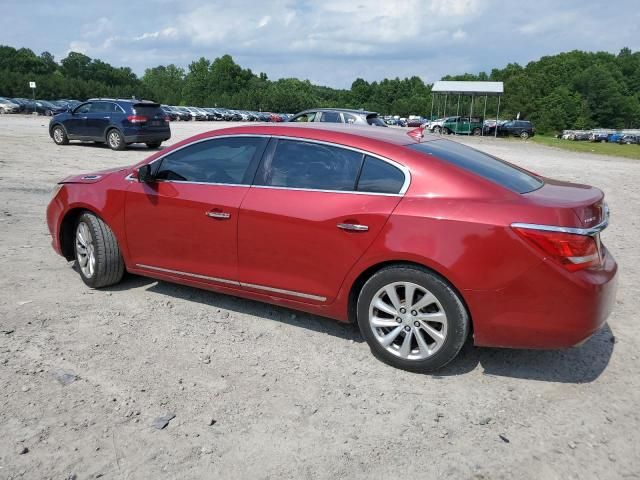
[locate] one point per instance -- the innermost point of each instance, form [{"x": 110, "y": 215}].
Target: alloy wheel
[
  {"x": 114, "y": 139},
  {"x": 85, "y": 250},
  {"x": 408, "y": 320}
]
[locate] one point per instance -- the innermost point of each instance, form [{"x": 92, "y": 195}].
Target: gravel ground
[{"x": 264, "y": 392}]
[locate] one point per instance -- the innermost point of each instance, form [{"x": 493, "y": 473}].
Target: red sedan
[{"x": 421, "y": 241}]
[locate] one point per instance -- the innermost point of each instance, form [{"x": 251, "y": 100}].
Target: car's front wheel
[
  {"x": 154, "y": 144},
  {"x": 115, "y": 140},
  {"x": 59, "y": 135},
  {"x": 97, "y": 252},
  {"x": 412, "y": 319},
  {"x": 524, "y": 135}
]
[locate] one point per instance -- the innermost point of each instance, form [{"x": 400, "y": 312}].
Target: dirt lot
[{"x": 265, "y": 392}]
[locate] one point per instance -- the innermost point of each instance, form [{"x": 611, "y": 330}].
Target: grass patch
[{"x": 614, "y": 149}]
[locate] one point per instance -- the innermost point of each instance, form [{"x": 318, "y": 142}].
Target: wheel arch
[
  {"x": 361, "y": 279},
  {"x": 67, "y": 230},
  {"x": 57, "y": 124}
]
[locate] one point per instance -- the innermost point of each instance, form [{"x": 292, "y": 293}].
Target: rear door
[
  {"x": 185, "y": 224},
  {"x": 304, "y": 223},
  {"x": 155, "y": 119}
]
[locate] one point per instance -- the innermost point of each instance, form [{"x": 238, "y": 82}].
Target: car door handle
[
  {"x": 220, "y": 215},
  {"x": 106, "y": 118},
  {"x": 353, "y": 227}
]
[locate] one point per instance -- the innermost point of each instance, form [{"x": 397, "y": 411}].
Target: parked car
[
  {"x": 418, "y": 241},
  {"x": 7, "y": 106},
  {"x": 169, "y": 112},
  {"x": 43, "y": 107},
  {"x": 435, "y": 126},
  {"x": 463, "y": 125},
  {"x": 513, "y": 128},
  {"x": 182, "y": 112},
  {"x": 600, "y": 136},
  {"x": 416, "y": 122},
  {"x": 629, "y": 139},
  {"x": 118, "y": 122},
  {"x": 614, "y": 137},
  {"x": 580, "y": 135},
  {"x": 339, "y": 115}
]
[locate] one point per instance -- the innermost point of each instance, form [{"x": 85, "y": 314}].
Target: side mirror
[{"x": 144, "y": 174}]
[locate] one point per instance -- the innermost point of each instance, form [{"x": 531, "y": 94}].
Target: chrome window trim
[
  {"x": 573, "y": 230},
  {"x": 234, "y": 282},
  {"x": 406, "y": 172}
]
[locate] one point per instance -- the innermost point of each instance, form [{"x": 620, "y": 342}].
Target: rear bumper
[
  {"x": 148, "y": 137},
  {"x": 546, "y": 307}
]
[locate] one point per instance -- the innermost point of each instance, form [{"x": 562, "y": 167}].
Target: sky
[{"x": 330, "y": 42}]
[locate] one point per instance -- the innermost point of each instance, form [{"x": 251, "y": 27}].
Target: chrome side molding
[
  {"x": 574, "y": 230},
  {"x": 235, "y": 283}
]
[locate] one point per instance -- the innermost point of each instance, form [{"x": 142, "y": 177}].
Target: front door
[
  {"x": 98, "y": 119},
  {"x": 185, "y": 222},
  {"x": 76, "y": 125},
  {"x": 313, "y": 211}
]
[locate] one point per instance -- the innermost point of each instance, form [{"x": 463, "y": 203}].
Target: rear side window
[
  {"x": 298, "y": 164},
  {"x": 486, "y": 166},
  {"x": 376, "y": 121},
  {"x": 330, "y": 117},
  {"x": 224, "y": 160},
  {"x": 380, "y": 177}
]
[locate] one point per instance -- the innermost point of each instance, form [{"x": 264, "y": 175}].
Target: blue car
[
  {"x": 118, "y": 122},
  {"x": 614, "y": 137}
]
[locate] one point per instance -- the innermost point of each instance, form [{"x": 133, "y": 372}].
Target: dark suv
[
  {"x": 517, "y": 128},
  {"x": 118, "y": 122}
]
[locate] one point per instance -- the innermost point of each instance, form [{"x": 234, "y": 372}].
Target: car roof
[
  {"x": 330, "y": 132},
  {"x": 346, "y": 110}
]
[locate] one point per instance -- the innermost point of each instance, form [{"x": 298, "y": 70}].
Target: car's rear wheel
[
  {"x": 59, "y": 135},
  {"x": 524, "y": 135},
  {"x": 115, "y": 140},
  {"x": 437, "y": 130},
  {"x": 97, "y": 252},
  {"x": 153, "y": 144},
  {"x": 412, "y": 319},
  {"x": 477, "y": 132}
]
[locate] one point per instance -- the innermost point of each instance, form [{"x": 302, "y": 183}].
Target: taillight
[
  {"x": 574, "y": 252},
  {"x": 167, "y": 118},
  {"x": 137, "y": 118}
]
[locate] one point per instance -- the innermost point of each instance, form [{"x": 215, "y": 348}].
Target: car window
[
  {"x": 99, "y": 107},
  {"x": 85, "y": 108},
  {"x": 330, "y": 117},
  {"x": 348, "y": 118},
  {"x": 305, "y": 117},
  {"x": 378, "y": 176},
  {"x": 482, "y": 164},
  {"x": 223, "y": 160},
  {"x": 376, "y": 121},
  {"x": 299, "y": 164}
]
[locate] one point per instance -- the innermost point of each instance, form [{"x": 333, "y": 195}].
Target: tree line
[{"x": 569, "y": 90}]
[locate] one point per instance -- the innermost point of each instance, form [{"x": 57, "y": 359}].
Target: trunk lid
[{"x": 586, "y": 202}]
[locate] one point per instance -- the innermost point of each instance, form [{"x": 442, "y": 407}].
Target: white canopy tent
[{"x": 468, "y": 88}]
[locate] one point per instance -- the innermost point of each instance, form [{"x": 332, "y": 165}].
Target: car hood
[{"x": 94, "y": 177}]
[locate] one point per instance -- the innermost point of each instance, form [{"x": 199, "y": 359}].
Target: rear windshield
[
  {"x": 150, "y": 109},
  {"x": 375, "y": 121},
  {"x": 486, "y": 166}
]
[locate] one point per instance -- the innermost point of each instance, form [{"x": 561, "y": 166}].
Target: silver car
[
  {"x": 339, "y": 115},
  {"x": 7, "y": 106}
]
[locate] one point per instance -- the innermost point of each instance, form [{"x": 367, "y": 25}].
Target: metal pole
[
  {"x": 471, "y": 114},
  {"x": 458, "y": 109},
  {"x": 495, "y": 134},
  {"x": 431, "y": 117},
  {"x": 438, "y": 107},
  {"x": 484, "y": 114}
]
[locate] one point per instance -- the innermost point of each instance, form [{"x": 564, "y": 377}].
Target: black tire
[
  {"x": 437, "y": 130},
  {"x": 109, "y": 266},
  {"x": 476, "y": 132},
  {"x": 457, "y": 318},
  {"x": 524, "y": 135},
  {"x": 59, "y": 135},
  {"x": 115, "y": 139},
  {"x": 154, "y": 144}
]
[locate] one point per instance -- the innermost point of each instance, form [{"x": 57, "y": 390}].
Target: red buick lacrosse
[{"x": 420, "y": 240}]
